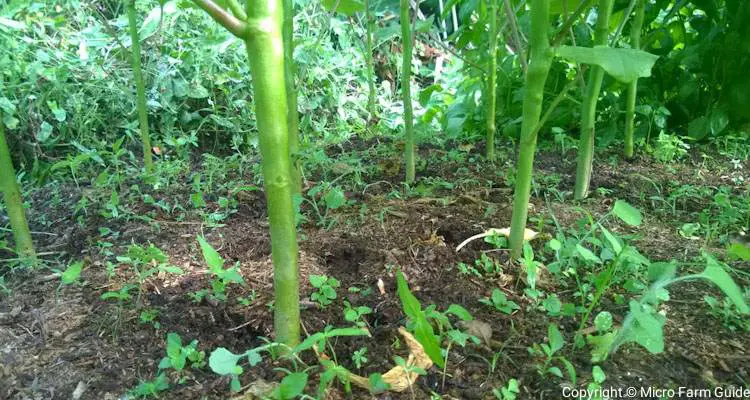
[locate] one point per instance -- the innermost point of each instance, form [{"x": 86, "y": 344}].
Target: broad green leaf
[
  {"x": 377, "y": 384},
  {"x": 644, "y": 328},
  {"x": 625, "y": 65},
  {"x": 460, "y": 312},
  {"x": 292, "y": 385},
  {"x": 587, "y": 254},
  {"x": 71, "y": 274},
  {"x": 318, "y": 280},
  {"x": 45, "y": 131},
  {"x": 224, "y": 362},
  {"x": 600, "y": 345},
  {"x": 739, "y": 251},
  {"x": 598, "y": 374},
  {"x": 563, "y": 6},
  {"x": 661, "y": 271},
  {"x": 627, "y": 213},
  {"x": 423, "y": 330},
  {"x": 174, "y": 350},
  {"x": 603, "y": 321},
  {"x": 334, "y": 198},
  {"x": 212, "y": 257},
  {"x": 346, "y": 7},
  {"x": 612, "y": 240},
  {"x": 715, "y": 273},
  {"x": 556, "y": 340}
]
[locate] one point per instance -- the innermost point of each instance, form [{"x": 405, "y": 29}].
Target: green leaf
[
  {"x": 45, "y": 131},
  {"x": 661, "y": 271},
  {"x": 556, "y": 340},
  {"x": 224, "y": 362},
  {"x": 587, "y": 254},
  {"x": 346, "y": 7},
  {"x": 627, "y": 213},
  {"x": 318, "y": 280},
  {"x": 423, "y": 330},
  {"x": 174, "y": 351},
  {"x": 603, "y": 321},
  {"x": 563, "y": 6},
  {"x": 334, "y": 198},
  {"x": 460, "y": 312},
  {"x": 600, "y": 345},
  {"x": 377, "y": 384},
  {"x": 715, "y": 273},
  {"x": 644, "y": 328},
  {"x": 612, "y": 240},
  {"x": 71, "y": 273},
  {"x": 570, "y": 369},
  {"x": 292, "y": 385},
  {"x": 212, "y": 257},
  {"x": 625, "y": 65},
  {"x": 739, "y": 251},
  {"x": 598, "y": 374}
]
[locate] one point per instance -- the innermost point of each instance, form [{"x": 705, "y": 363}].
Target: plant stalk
[
  {"x": 635, "y": 42},
  {"x": 588, "y": 112},
  {"x": 371, "y": 94},
  {"x": 406, "y": 37},
  {"x": 540, "y": 61},
  {"x": 290, "y": 72},
  {"x": 492, "y": 81},
  {"x": 14, "y": 203},
  {"x": 140, "y": 103},
  {"x": 265, "y": 49}
]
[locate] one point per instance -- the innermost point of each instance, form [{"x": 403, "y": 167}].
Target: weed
[{"x": 326, "y": 289}]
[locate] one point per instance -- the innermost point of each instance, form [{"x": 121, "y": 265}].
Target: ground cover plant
[{"x": 322, "y": 199}]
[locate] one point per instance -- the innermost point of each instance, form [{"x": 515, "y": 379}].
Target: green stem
[
  {"x": 290, "y": 71},
  {"x": 140, "y": 103},
  {"x": 265, "y": 49},
  {"x": 406, "y": 38},
  {"x": 13, "y": 202},
  {"x": 635, "y": 42},
  {"x": 371, "y": 94},
  {"x": 588, "y": 112},
  {"x": 491, "y": 81},
  {"x": 539, "y": 66}
]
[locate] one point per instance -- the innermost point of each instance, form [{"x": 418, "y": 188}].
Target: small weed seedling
[
  {"x": 326, "y": 289},
  {"x": 178, "y": 355},
  {"x": 499, "y": 302},
  {"x": 548, "y": 352},
  {"x": 146, "y": 262},
  {"x": 355, "y": 314},
  {"x": 509, "y": 392},
  {"x": 359, "y": 357},
  {"x": 151, "y": 388},
  {"x": 220, "y": 277}
]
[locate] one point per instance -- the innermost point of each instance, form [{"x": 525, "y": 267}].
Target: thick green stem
[
  {"x": 491, "y": 81},
  {"x": 265, "y": 49},
  {"x": 290, "y": 71},
  {"x": 588, "y": 112},
  {"x": 635, "y": 42},
  {"x": 140, "y": 102},
  {"x": 368, "y": 59},
  {"x": 406, "y": 38},
  {"x": 13, "y": 202},
  {"x": 536, "y": 77}
]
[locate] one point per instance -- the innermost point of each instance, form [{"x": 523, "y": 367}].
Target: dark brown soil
[{"x": 50, "y": 344}]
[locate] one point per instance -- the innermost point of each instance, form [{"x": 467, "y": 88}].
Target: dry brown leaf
[{"x": 397, "y": 377}]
